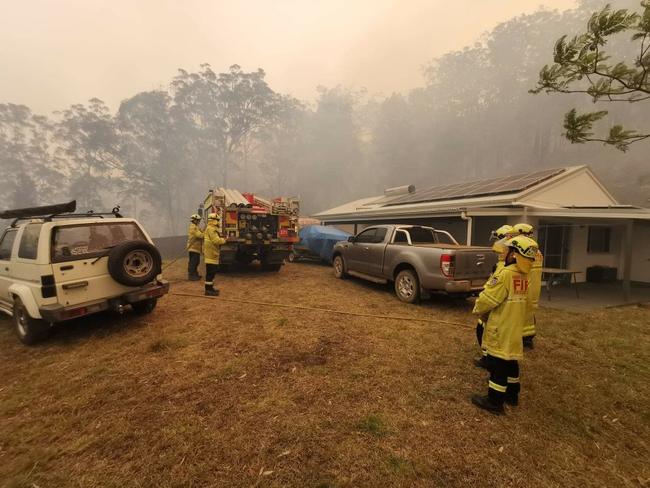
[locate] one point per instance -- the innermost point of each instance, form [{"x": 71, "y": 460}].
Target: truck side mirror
[{"x": 351, "y": 239}]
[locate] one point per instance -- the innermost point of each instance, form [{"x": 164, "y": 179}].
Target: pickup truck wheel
[
  {"x": 145, "y": 306},
  {"x": 134, "y": 263},
  {"x": 339, "y": 267},
  {"x": 29, "y": 330},
  {"x": 407, "y": 286}
]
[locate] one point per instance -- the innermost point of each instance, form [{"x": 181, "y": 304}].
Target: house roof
[{"x": 559, "y": 189}]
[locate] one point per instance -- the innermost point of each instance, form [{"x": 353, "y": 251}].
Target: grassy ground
[{"x": 211, "y": 393}]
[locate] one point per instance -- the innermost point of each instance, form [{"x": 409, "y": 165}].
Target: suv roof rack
[{"x": 58, "y": 211}]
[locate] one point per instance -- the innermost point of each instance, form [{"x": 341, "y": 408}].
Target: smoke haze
[
  {"x": 56, "y": 53},
  {"x": 148, "y": 104}
]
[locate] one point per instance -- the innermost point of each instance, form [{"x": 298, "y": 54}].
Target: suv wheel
[
  {"x": 407, "y": 286},
  {"x": 292, "y": 258},
  {"x": 29, "y": 330},
  {"x": 145, "y": 306},
  {"x": 339, "y": 267},
  {"x": 134, "y": 263}
]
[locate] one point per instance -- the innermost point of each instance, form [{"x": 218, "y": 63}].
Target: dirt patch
[{"x": 211, "y": 393}]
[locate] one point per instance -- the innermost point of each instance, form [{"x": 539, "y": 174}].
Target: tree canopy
[{"x": 582, "y": 65}]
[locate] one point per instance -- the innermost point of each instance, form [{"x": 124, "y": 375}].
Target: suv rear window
[{"x": 88, "y": 240}]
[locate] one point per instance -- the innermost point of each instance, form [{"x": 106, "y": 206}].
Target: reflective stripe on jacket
[
  {"x": 212, "y": 241},
  {"x": 505, "y": 298},
  {"x": 194, "y": 238}
]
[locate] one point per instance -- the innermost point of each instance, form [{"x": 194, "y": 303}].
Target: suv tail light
[
  {"x": 48, "y": 288},
  {"x": 448, "y": 265}
]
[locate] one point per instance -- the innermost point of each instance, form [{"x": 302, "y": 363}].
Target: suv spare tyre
[{"x": 134, "y": 263}]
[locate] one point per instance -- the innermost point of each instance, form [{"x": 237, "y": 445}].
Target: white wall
[
  {"x": 579, "y": 189},
  {"x": 580, "y": 259},
  {"x": 349, "y": 228}
]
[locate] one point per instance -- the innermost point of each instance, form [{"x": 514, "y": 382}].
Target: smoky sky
[{"x": 55, "y": 53}]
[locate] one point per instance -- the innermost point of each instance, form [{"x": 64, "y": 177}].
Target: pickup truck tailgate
[{"x": 474, "y": 264}]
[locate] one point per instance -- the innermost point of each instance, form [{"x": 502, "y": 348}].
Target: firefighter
[
  {"x": 212, "y": 241},
  {"x": 505, "y": 298},
  {"x": 194, "y": 246},
  {"x": 534, "y": 286},
  {"x": 500, "y": 236}
]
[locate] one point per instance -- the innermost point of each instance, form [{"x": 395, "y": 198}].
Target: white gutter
[{"x": 464, "y": 216}]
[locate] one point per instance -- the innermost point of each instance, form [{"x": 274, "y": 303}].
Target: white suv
[{"x": 62, "y": 266}]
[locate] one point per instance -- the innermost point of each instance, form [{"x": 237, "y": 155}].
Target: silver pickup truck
[{"x": 417, "y": 259}]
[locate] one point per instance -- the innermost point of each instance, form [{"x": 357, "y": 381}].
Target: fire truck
[{"x": 255, "y": 228}]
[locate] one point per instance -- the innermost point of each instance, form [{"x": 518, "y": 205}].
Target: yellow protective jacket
[
  {"x": 505, "y": 298},
  {"x": 534, "y": 290},
  {"x": 212, "y": 241},
  {"x": 497, "y": 267},
  {"x": 194, "y": 238}
]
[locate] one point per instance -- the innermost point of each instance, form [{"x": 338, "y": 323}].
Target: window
[
  {"x": 367, "y": 236},
  {"x": 422, "y": 236},
  {"x": 598, "y": 240},
  {"x": 400, "y": 237},
  {"x": 29, "y": 242},
  {"x": 380, "y": 235},
  {"x": 90, "y": 240},
  {"x": 442, "y": 238},
  {"x": 7, "y": 244}
]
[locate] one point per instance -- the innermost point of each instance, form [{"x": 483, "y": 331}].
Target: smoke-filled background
[{"x": 144, "y": 107}]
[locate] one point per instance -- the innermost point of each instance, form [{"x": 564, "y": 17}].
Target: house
[{"x": 579, "y": 224}]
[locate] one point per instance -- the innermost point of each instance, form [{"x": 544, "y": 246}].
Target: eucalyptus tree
[
  {"x": 88, "y": 143},
  {"x": 152, "y": 155},
  {"x": 223, "y": 111},
  {"x": 29, "y": 169}
]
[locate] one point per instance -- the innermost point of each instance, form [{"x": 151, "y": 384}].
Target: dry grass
[{"x": 210, "y": 393}]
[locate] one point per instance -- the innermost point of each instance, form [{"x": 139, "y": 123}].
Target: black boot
[
  {"x": 210, "y": 291},
  {"x": 486, "y": 403},
  {"x": 481, "y": 363},
  {"x": 194, "y": 277},
  {"x": 528, "y": 342},
  {"x": 512, "y": 400}
]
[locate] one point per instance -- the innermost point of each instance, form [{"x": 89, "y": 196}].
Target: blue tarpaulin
[{"x": 319, "y": 240}]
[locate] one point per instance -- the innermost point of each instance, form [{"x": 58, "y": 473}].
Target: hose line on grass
[
  {"x": 324, "y": 310},
  {"x": 173, "y": 261}
]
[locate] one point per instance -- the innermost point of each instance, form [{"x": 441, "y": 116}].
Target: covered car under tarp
[{"x": 317, "y": 241}]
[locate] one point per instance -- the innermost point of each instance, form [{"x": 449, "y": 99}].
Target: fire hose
[
  {"x": 312, "y": 309},
  {"x": 324, "y": 310}
]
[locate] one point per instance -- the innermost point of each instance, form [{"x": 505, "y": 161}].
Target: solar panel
[{"x": 465, "y": 189}]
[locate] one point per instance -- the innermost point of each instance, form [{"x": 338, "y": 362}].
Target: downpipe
[{"x": 470, "y": 224}]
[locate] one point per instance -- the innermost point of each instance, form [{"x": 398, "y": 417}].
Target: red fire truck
[{"x": 255, "y": 228}]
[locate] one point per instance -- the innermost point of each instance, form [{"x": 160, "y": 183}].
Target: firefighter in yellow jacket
[
  {"x": 534, "y": 286},
  {"x": 212, "y": 241},
  {"x": 505, "y": 298},
  {"x": 500, "y": 236},
  {"x": 194, "y": 247}
]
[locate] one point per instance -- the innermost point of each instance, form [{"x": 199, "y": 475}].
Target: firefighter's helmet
[
  {"x": 523, "y": 229},
  {"x": 503, "y": 232},
  {"x": 524, "y": 246},
  {"x": 195, "y": 217},
  {"x": 214, "y": 216}
]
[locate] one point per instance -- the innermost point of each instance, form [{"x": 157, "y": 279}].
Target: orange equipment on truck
[{"x": 254, "y": 228}]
